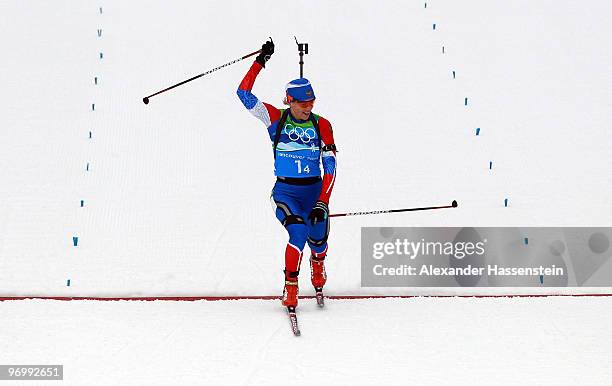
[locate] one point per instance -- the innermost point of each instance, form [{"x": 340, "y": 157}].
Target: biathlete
[{"x": 301, "y": 141}]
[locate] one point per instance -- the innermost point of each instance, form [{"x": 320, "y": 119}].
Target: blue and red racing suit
[{"x": 297, "y": 165}]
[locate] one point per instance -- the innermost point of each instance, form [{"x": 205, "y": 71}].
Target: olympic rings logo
[{"x": 295, "y": 133}]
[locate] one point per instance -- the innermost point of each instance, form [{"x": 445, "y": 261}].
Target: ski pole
[
  {"x": 452, "y": 205},
  {"x": 146, "y": 99}
]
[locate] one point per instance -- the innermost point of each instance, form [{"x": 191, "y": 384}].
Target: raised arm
[{"x": 263, "y": 111}]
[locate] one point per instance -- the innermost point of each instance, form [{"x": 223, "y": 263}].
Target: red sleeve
[
  {"x": 328, "y": 158},
  {"x": 263, "y": 111},
  {"x": 249, "y": 79}
]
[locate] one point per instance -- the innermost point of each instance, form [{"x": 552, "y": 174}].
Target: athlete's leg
[
  {"x": 288, "y": 212},
  {"x": 317, "y": 241}
]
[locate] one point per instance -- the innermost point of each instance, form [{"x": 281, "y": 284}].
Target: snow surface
[
  {"x": 176, "y": 196},
  {"x": 420, "y": 341}
]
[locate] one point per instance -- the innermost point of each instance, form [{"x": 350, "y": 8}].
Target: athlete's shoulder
[
  {"x": 323, "y": 122},
  {"x": 273, "y": 112},
  {"x": 325, "y": 128}
]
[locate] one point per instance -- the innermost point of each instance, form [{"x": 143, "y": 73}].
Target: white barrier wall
[{"x": 175, "y": 194}]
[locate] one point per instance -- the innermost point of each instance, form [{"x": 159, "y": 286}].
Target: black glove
[
  {"x": 267, "y": 49},
  {"x": 319, "y": 213}
]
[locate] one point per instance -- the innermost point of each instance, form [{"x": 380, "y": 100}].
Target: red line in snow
[{"x": 348, "y": 297}]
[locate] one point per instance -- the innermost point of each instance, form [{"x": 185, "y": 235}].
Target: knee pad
[
  {"x": 319, "y": 242},
  {"x": 293, "y": 219}
]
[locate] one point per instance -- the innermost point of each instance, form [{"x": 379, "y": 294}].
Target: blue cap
[{"x": 300, "y": 90}]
